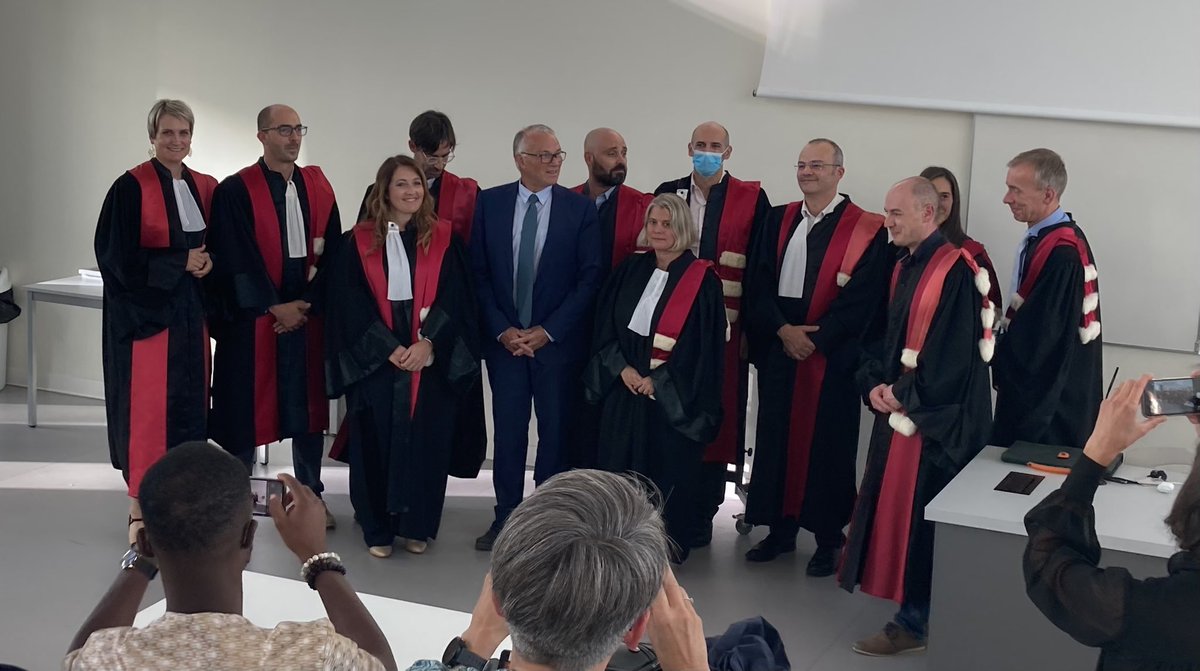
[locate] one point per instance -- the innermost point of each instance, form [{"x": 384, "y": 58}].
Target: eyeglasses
[
  {"x": 286, "y": 131},
  {"x": 434, "y": 158},
  {"x": 547, "y": 156},
  {"x": 816, "y": 166}
]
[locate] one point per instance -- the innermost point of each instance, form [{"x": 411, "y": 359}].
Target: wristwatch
[
  {"x": 135, "y": 561},
  {"x": 457, "y": 654}
]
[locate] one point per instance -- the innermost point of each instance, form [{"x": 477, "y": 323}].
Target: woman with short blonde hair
[{"x": 656, "y": 364}]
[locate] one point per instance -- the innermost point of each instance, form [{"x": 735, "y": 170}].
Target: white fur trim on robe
[
  {"x": 1090, "y": 273},
  {"x": 987, "y": 348},
  {"x": 731, "y": 315},
  {"x": 318, "y": 246},
  {"x": 664, "y": 343},
  {"x": 988, "y": 316},
  {"x": 843, "y": 279},
  {"x": 902, "y": 424},
  {"x": 1017, "y": 301},
  {"x": 655, "y": 363},
  {"x": 1090, "y": 302},
  {"x": 908, "y": 357},
  {"x": 1089, "y": 333},
  {"x": 731, "y": 288},
  {"x": 732, "y": 259}
]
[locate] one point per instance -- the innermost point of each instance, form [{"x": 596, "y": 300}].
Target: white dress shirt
[{"x": 795, "y": 256}]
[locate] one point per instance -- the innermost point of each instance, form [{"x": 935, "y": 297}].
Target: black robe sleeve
[
  {"x": 1132, "y": 619},
  {"x": 362, "y": 208},
  {"x": 239, "y": 276},
  {"x": 688, "y": 385},
  {"x": 1035, "y": 352},
  {"x": 604, "y": 367},
  {"x": 316, "y": 292},
  {"x": 357, "y": 341},
  {"x": 851, "y": 311},
  {"x": 763, "y": 316},
  {"x": 935, "y": 394},
  {"x": 143, "y": 279},
  {"x": 452, "y": 323}
]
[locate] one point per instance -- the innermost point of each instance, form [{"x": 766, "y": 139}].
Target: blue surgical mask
[{"x": 707, "y": 163}]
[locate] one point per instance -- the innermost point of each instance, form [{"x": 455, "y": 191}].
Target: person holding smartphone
[
  {"x": 1137, "y": 624},
  {"x": 196, "y": 503}
]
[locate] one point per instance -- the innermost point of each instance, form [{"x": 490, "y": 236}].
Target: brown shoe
[
  {"x": 893, "y": 640},
  {"x": 380, "y": 551},
  {"x": 415, "y": 546}
]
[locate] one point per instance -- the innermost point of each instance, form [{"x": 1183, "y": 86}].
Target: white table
[
  {"x": 66, "y": 291},
  {"x": 413, "y": 630},
  {"x": 980, "y": 617},
  {"x": 77, "y": 291}
]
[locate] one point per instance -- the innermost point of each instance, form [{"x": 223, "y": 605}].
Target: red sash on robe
[
  {"x": 456, "y": 203},
  {"x": 148, "y": 381},
  {"x": 854, "y": 233},
  {"x": 630, "y": 220},
  {"x": 887, "y": 550},
  {"x": 155, "y": 232},
  {"x": 1065, "y": 236},
  {"x": 425, "y": 282},
  {"x": 425, "y": 286},
  {"x": 980, "y": 256},
  {"x": 676, "y": 311},
  {"x": 733, "y": 240},
  {"x": 270, "y": 246}
]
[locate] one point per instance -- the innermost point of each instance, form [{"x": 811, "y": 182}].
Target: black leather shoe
[
  {"x": 771, "y": 547},
  {"x": 824, "y": 562},
  {"x": 703, "y": 537},
  {"x": 484, "y": 543}
]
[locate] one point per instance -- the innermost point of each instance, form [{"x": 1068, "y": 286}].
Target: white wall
[{"x": 79, "y": 76}]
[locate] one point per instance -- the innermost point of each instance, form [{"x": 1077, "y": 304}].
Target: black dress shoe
[
  {"x": 824, "y": 561},
  {"x": 484, "y": 543},
  {"x": 771, "y": 547},
  {"x": 703, "y": 538}
]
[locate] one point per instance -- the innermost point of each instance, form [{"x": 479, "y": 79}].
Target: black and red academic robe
[
  {"x": 155, "y": 342},
  {"x": 734, "y": 209},
  {"x": 454, "y": 198},
  {"x": 622, "y": 218},
  {"x": 933, "y": 354},
  {"x": 400, "y": 426},
  {"x": 1048, "y": 371},
  {"x": 268, "y": 387},
  {"x": 661, "y": 437},
  {"x": 806, "y": 449}
]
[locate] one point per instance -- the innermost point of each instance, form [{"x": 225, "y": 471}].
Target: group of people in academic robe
[{"x": 628, "y": 320}]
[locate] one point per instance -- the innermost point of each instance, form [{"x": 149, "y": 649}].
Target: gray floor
[{"x": 61, "y": 548}]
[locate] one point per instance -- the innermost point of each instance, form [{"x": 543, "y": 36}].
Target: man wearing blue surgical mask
[{"x": 726, "y": 211}]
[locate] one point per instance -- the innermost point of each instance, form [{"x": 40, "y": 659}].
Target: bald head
[
  {"x": 604, "y": 152},
  {"x": 268, "y": 115},
  {"x": 710, "y": 130},
  {"x": 910, "y": 211}
]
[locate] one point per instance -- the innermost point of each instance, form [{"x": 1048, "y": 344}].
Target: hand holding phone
[
  {"x": 261, "y": 490},
  {"x": 1171, "y": 396}
]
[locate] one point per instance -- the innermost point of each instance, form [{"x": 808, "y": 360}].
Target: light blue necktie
[{"x": 523, "y": 291}]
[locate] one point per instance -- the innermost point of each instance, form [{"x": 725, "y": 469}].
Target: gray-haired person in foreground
[{"x": 579, "y": 571}]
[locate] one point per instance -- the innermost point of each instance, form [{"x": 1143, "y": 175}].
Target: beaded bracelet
[{"x": 324, "y": 561}]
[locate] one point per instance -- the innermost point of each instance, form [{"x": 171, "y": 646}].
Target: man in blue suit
[{"x": 535, "y": 249}]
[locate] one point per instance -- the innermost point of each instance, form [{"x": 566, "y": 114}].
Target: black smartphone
[
  {"x": 1019, "y": 483},
  {"x": 261, "y": 490},
  {"x": 1171, "y": 396}
]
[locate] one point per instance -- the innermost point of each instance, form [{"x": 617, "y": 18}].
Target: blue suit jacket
[{"x": 568, "y": 274}]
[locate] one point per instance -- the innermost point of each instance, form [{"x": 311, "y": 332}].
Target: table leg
[{"x": 31, "y": 351}]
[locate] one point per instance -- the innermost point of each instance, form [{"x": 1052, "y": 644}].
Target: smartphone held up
[
  {"x": 261, "y": 491},
  {"x": 1171, "y": 396}
]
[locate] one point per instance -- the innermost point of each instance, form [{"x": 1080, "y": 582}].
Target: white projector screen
[{"x": 1098, "y": 60}]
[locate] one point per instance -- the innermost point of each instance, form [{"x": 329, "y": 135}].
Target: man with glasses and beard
[
  {"x": 271, "y": 221},
  {"x": 621, "y": 210}
]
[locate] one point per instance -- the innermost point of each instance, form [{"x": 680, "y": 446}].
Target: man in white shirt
[
  {"x": 816, "y": 279},
  {"x": 196, "y": 503}
]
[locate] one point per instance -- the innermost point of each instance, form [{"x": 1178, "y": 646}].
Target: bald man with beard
[
  {"x": 621, "y": 210},
  {"x": 726, "y": 212}
]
